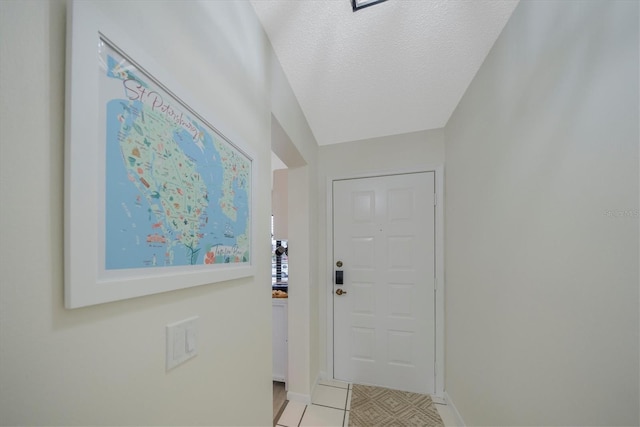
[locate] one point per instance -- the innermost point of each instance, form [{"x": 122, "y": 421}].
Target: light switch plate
[{"x": 182, "y": 341}]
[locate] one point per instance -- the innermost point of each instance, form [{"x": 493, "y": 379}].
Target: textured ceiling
[{"x": 396, "y": 67}]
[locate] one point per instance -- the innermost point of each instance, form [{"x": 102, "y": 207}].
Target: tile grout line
[
  {"x": 302, "y": 416},
  {"x": 344, "y": 410},
  {"x": 346, "y": 402},
  {"x": 330, "y": 407},
  {"x": 334, "y": 386}
]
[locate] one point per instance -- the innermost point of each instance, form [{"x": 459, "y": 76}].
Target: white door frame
[{"x": 439, "y": 268}]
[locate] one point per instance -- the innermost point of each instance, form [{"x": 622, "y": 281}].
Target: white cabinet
[{"x": 279, "y": 339}]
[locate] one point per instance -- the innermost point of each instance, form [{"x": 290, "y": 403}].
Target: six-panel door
[{"x": 384, "y": 326}]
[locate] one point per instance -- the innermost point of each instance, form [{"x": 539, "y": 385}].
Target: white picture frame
[{"x": 94, "y": 273}]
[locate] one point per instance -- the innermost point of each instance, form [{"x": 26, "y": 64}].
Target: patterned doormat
[{"x": 377, "y": 406}]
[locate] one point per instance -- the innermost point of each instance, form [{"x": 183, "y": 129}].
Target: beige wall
[
  {"x": 105, "y": 365},
  {"x": 397, "y": 153},
  {"x": 542, "y": 222},
  {"x": 542, "y": 258}
]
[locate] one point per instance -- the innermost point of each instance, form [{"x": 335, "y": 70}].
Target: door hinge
[{"x": 435, "y": 199}]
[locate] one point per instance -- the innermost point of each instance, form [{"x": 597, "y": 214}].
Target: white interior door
[{"x": 384, "y": 320}]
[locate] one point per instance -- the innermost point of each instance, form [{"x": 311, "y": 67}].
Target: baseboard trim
[
  {"x": 319, "y": 378},
  {"x": 440, "y": 400},
  {"x": 449, "y": 401},
  {"x": 305, "y": 398},
  {"x": 298, "y": 397}
]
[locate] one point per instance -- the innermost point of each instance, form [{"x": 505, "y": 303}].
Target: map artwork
[{"x": 177, "y": 192}]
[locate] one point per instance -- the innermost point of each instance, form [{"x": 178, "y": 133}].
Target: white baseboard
[
  {"x": 441, "y": 400},
  {"x": 452, "y": 406},
  {"x": 315, "y": 384},
  {"x": 298, "y": 397},
  {"x": 304, "y": 398}
]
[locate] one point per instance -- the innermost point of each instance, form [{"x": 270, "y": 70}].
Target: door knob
[{"x": 340, "y": 292}]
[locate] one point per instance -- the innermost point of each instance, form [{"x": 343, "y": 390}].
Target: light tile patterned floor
[{"x": 330, "y": 405}]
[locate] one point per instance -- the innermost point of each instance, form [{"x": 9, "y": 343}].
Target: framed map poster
[{"x": 157, "y": 197}]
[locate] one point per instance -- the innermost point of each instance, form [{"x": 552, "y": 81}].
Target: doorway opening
[{"x": 286, "y": 220}]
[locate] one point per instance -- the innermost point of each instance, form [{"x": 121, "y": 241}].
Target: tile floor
[{"x": 330, "y": 406}]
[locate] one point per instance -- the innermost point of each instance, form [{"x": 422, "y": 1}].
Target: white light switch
[
  {"x": 190, "y": 345},
  {"x": 182, "y": 338}
]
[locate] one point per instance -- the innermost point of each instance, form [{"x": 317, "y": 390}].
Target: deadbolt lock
[
  {"x": 340, "y": 292},
  {"x": 339, "y": 264}
]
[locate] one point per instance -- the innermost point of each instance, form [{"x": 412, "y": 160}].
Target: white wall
[
  {"x": 105, "y": 365},
  {"x": 406, "y": 152},
  {"x": 542, "y": 222}
]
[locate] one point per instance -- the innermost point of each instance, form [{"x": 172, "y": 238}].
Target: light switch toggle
[
  {"x": 182, "y": 341},
  {"x": 190, "y": 345}
]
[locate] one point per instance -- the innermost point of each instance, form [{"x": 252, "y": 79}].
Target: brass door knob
[{"x": 340, "y": 292}]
